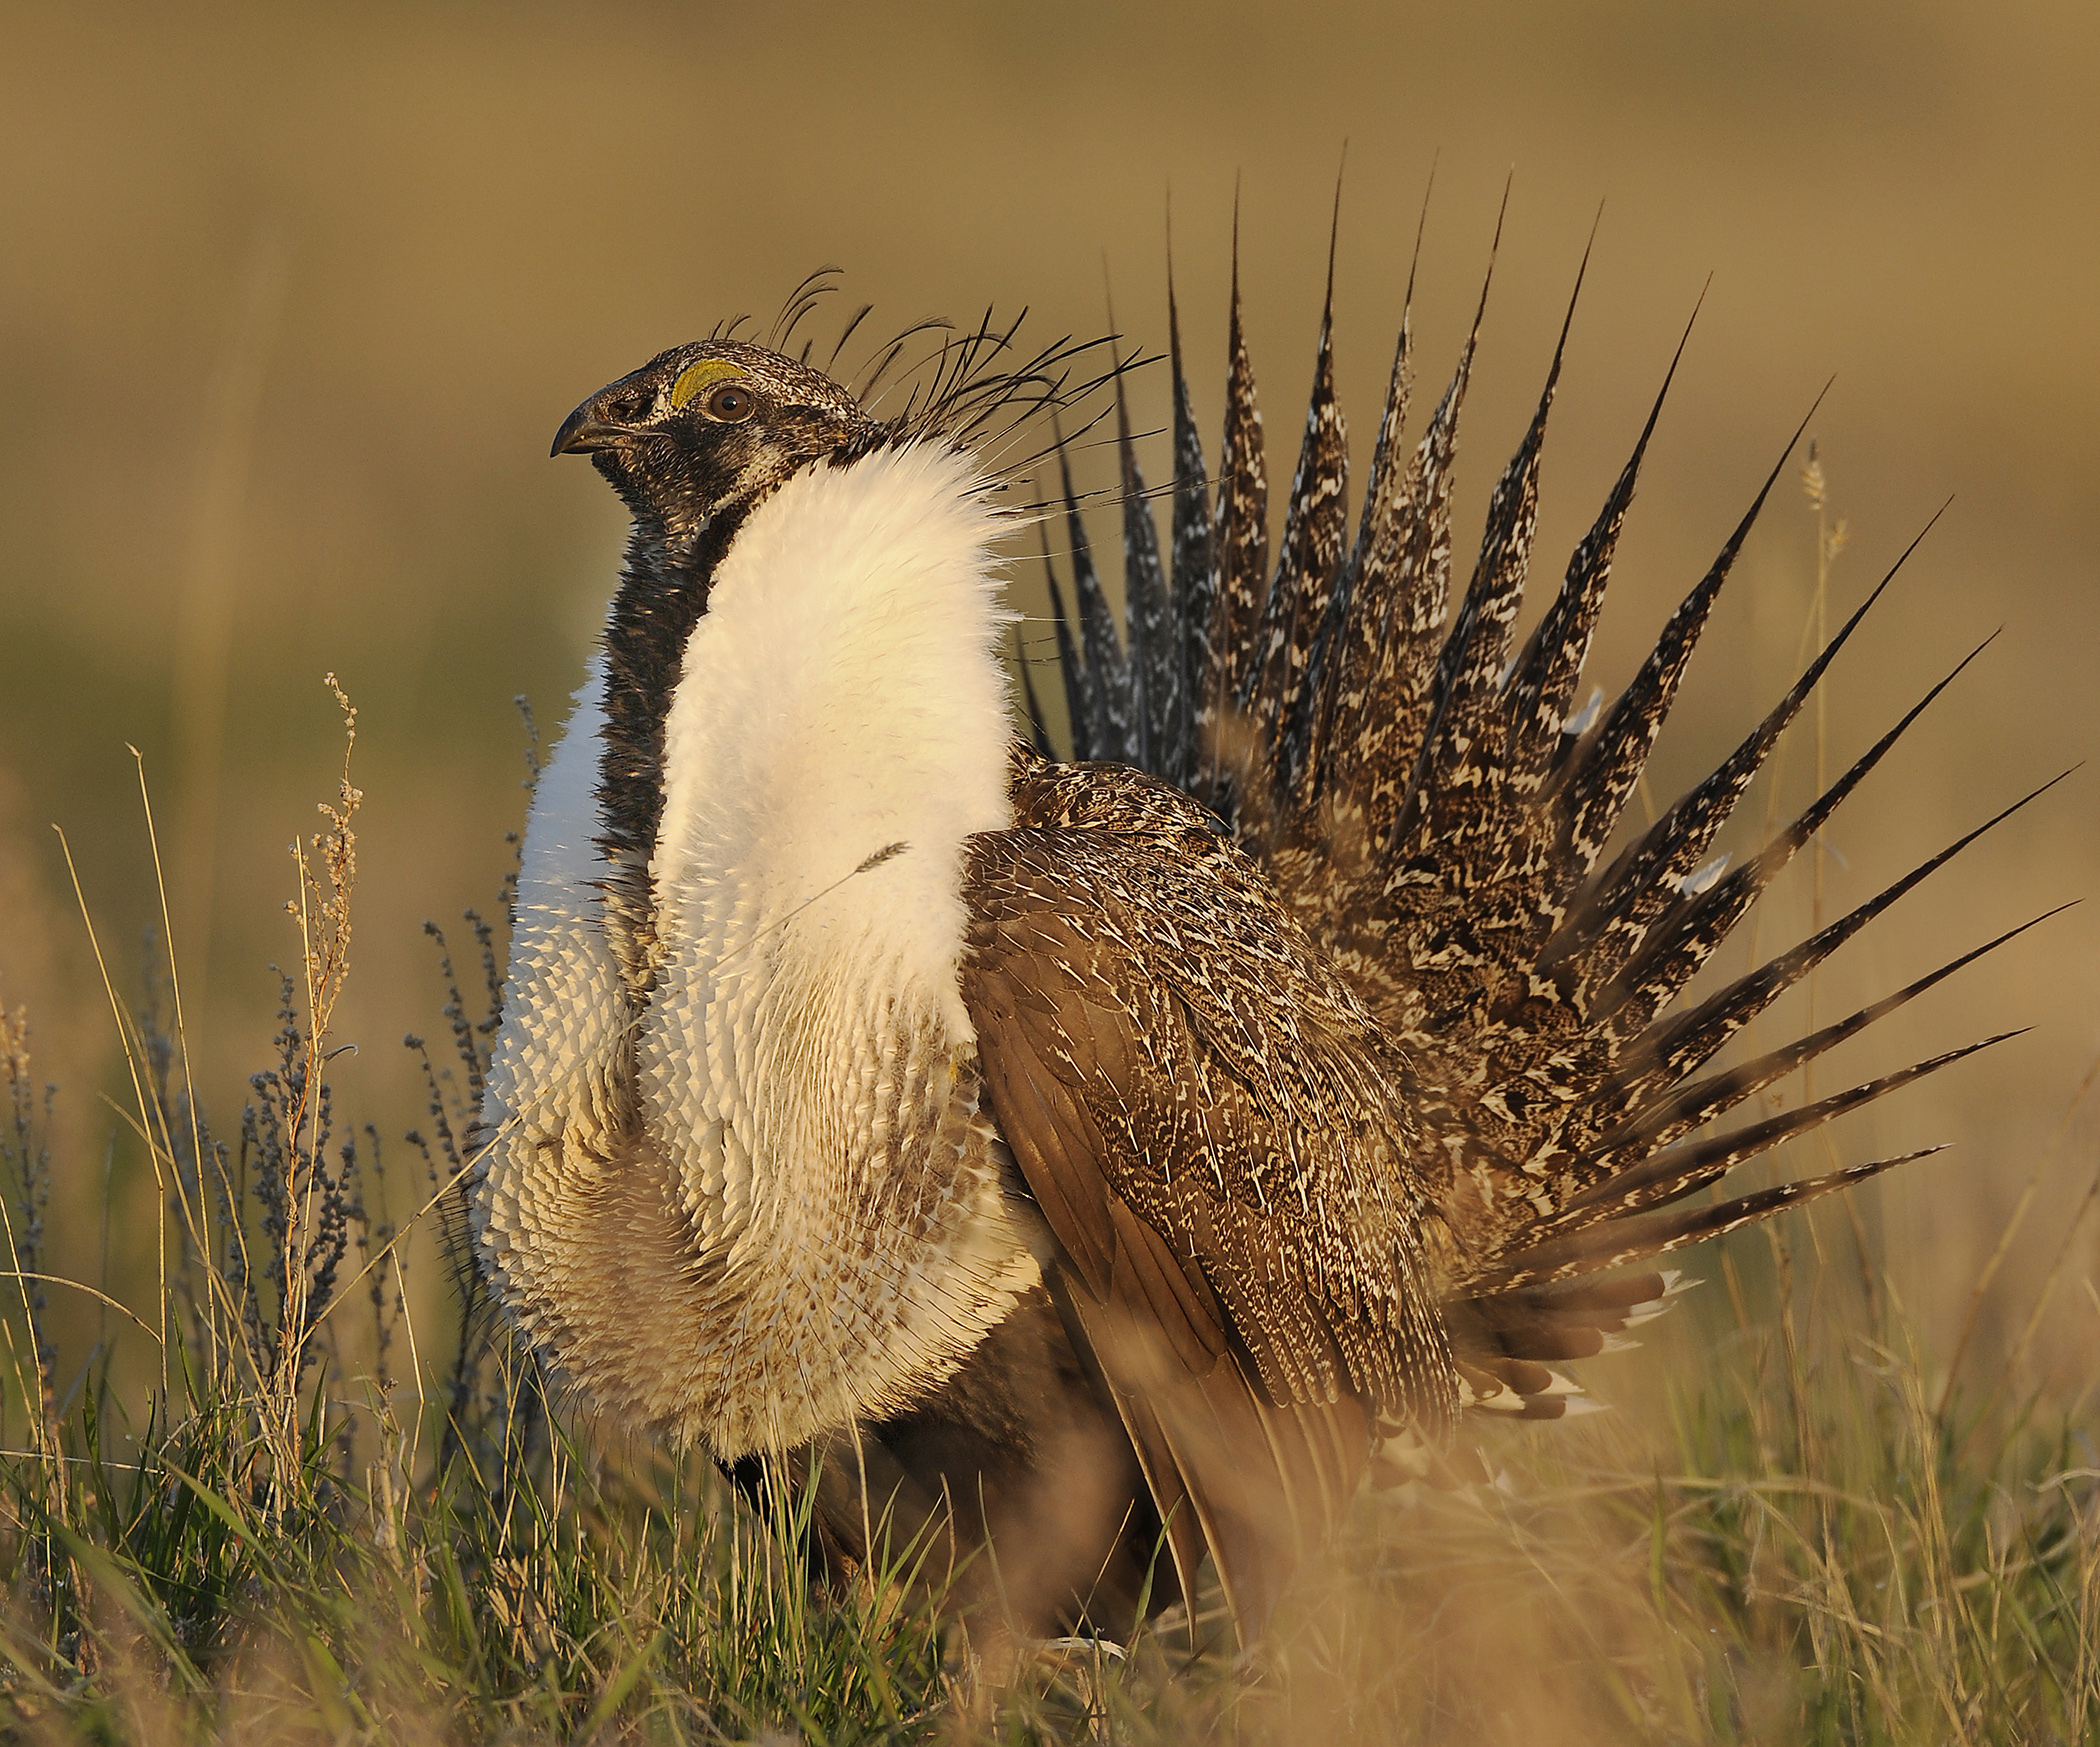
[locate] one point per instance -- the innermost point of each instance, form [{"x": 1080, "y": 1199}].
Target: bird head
[{"x": 705, "y": 428}]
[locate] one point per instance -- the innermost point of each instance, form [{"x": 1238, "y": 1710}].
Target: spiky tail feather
[{"x": 1433, "y": 811}]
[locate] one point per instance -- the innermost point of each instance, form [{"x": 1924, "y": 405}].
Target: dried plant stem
[
  {"x": 323, "y": 910},
  {"x": 200, "y": 1228},
  {"x": 450, "y": 1186},
  {"x": 14, "y": 1061},
  {"x": 126, "y": 1037},
  {"x": 415, "y": 1359},
  {"x": 36, "y": 1402}
]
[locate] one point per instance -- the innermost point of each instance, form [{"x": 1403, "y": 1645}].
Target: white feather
[
  {"x": 1579, "y": 723},
  {"x": 548, "y": 1099},
  {"x": 1701, "y": 879},
  {"x": 804, "y": 1220}
]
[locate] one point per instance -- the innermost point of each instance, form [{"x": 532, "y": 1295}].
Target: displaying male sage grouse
[{"x": 1074, "y": 1156}]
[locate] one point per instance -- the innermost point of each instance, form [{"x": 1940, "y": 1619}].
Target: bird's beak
[{"x": 583, "y": 432}]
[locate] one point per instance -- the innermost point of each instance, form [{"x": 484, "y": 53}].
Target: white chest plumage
[{"x": 766, "y": 1202}]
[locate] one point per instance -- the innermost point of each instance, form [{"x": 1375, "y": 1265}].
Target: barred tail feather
[
  {"x": 1109, "y": 684},
  {"x": 1359, "y": 606},
  {"x": 1693, "y": 1105},
  {"x": 1194, "y": 591},
  {"x": 1627, "y": 998},
  {"x": 1315, "y": 536},
  {"x": 1155, "y": 640},
  {"x": 1613, "y": 916},
  {"x": 1542, "y": 685},
  {"x": 1458, "y": 775},
  {"x": 1684, "y": 1044},
  {"x": 1078, "y": 709},
  {"x": 1625, "y": 1242},
  {"x": 1678, "y": 1171},
  {"x": 1239, "y": 565},
  {"x": 1038, "y": 729},
  {"x": 1351, "y": 632},
  {"x": 1607, "y": 762}
]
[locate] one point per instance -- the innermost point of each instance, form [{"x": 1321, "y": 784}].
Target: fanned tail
[{"x": 1436, "y": 810}]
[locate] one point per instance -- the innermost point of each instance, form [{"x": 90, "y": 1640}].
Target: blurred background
[{"x": 292, "y": 298}]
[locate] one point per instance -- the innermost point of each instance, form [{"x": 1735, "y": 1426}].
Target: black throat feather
[{"x": 663, "y": 593}]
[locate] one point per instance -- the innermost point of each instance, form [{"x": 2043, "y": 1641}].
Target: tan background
[{"x": 291, "y": 299}]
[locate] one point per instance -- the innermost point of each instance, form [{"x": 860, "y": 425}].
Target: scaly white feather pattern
[
  {"x": 553, "y": 1113},
  {"x": 801, "y": 1218}
]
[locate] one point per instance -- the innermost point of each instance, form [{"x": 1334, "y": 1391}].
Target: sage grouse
[{"x": 1050, "y": 1160}]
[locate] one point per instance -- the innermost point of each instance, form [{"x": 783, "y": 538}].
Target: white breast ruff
[
  {"x": 799, "y": 1217},
  {"x": 550, "y": 1097}
]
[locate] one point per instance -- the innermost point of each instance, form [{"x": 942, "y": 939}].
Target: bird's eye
[{"x": 730, "y": 404}]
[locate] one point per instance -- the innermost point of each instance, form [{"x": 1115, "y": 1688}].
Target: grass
[{"x": 312, "y": 1522}]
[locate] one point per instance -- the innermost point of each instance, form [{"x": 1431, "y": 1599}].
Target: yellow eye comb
[{"x": 694, "y": 377}]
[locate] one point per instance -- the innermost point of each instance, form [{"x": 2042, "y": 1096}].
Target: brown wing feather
[{"x": 1216, "y": 1133}]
